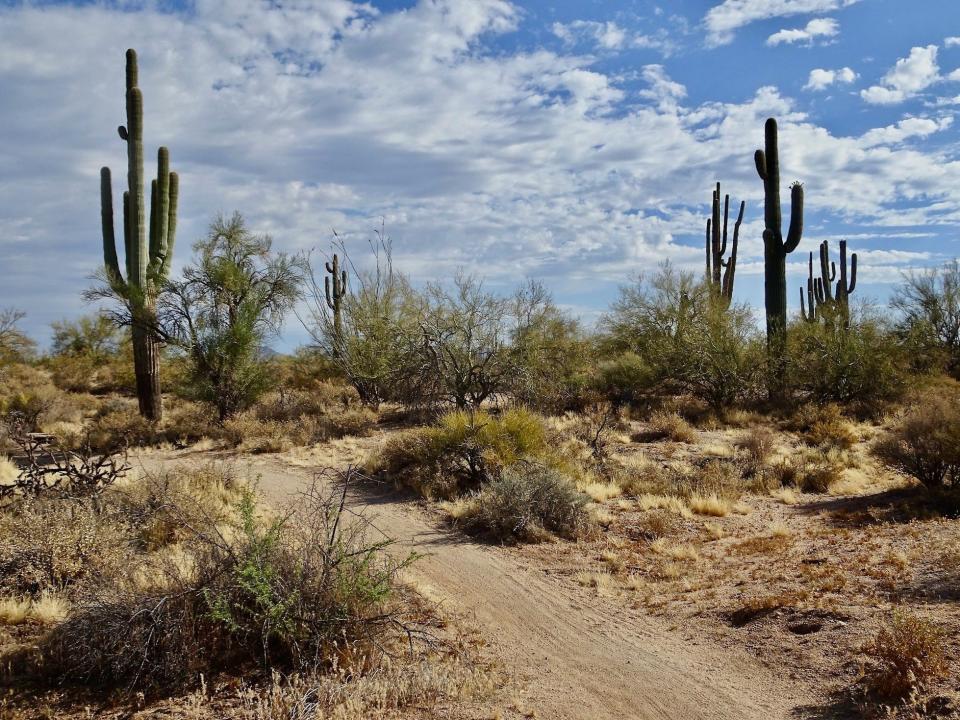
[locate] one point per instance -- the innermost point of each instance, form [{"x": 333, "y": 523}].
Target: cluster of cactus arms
[
  {"x": 720, "y": 272},
  {"x": 148, "y": 251},
  {"x": 825, "y": 301},
  {"x": 775, "y": 252},
  {"x": 335, "y": 287}
]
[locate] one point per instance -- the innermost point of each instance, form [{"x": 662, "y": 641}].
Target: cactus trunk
[
  {"x": 335, "y": 288},
  {"x": 721, "y": 273},
  {"x": 776, "y": 249},
  {"x": 147, "y": 259}
]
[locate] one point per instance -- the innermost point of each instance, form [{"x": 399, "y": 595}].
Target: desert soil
[{"x": 572, "y": 654}]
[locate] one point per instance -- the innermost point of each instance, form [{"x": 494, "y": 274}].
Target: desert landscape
[{"x": 454, "y": 496}]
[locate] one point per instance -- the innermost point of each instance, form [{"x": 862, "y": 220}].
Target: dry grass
[
  {"x": 14, "y": 611},
  {"x": 664, "y": 502},
  {"x": 710, "y": 505},
  {"x": 664, "y": 425},
  {"x": 675, "y": 551},
  {"x": 8, "y": 471},
  {"x": 786, "y": 495},
  {"x": 906, "y": 656},
  {"x": 600, "y": 491}
]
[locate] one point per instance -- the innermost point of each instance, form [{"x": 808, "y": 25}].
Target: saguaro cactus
[
  {"x": 147, "y": 263},
  {"x": 814, "y": 293},
  {"x": 776, "y": 249},
  {"x": 720, "y": 272},
  {"x": 832, "y": 301},
  {"x": 335, "y": 287}
]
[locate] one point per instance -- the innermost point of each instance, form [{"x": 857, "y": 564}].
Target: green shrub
[
  {"x": 864, "y": 367},
  {"x": 461, "y": 451},
  {"x": 624, "y": 378},
  {"x": 525, "y": 500},
  {"x": 925, "y": 442}
]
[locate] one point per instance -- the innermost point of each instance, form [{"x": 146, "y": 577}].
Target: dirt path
[{"x": 581, "y": 657}]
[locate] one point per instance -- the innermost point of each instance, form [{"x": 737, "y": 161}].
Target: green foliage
[
  {"x": 229, "y": 302},
  {"x": 691, "y": 340},
  {"x": 525, "y": 500},
  {"x": 863, "y": 367},
  {"x": 929, "y": 305},
  {"x": 624, "y": 378},
  {"x": 462, "y": 450},
  {"x": 550, "y": 353}
]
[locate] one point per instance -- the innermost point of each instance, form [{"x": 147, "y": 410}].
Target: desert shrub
[
  {"x": 55, "y": 545},
  {"x": 757, "y": 444},
  {"x": 824, "y": 426},
  {"x": 461, "y": 451},
  {"x": 664, "y": 425},
  {"x": 624, "y": 378},
  {"x": 906, "y": 656},
  {"x": 811, "y": 471},
  {"x": 524, "y": 501},
  {"x": 714, "y": 478},
  {"x": 925, "y": 441},
  {"x": 863, "y": 367},
  {"x": 303, "y": 592},
  {"x": 691, "y": 342},
  {"x": 118, "y": 422}
]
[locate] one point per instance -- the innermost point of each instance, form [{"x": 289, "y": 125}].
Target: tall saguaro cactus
[
  {"x": 831, "y": 301},
  {"x": 775, "y": 251},
  {"x": 335, "y": 287},
  {"x": 147, "y": 258},
  {"x": 720, "y": 272}
]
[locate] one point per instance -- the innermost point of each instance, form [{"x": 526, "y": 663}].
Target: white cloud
[
  {"x": 909, "y": 76},
  {"x": 505, "y": 163},
  {"x": 821, "y": 79},
  {"x": 905, "y": 129},
  {"x": 724, "y": 19},
  {"x": 817, "y": 28},
  {"x": 610, "y": 36},
  {"x": 951, "y": 41},
  {"x": 954, "y": 76}
]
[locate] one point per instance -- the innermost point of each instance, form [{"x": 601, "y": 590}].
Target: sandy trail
[{"x": 580, "y": 657}]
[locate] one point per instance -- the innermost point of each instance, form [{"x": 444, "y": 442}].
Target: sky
[{"x": 576, "y": 142}]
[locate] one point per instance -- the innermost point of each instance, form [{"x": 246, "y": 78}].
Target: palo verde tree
[
  {"x": 148, "y": 255},
  {"x": 234, "y": 295},
  {"x": 775, "y": 251}
]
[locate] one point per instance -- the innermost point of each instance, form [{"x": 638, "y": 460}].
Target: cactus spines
[
  {"x": 335, "y": 287},
  {"x": 720, "y": 272},
  {"x": 776, "y": 249},
  {"x": 147, "y": 253}
]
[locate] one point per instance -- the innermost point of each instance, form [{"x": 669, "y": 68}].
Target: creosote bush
[{"x": 664, "y": 425}]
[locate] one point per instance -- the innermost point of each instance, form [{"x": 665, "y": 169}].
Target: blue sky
[{"x": 575, "y": 142}]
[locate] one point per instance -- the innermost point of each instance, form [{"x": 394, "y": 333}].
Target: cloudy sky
[{"x": 576, "y": 141}]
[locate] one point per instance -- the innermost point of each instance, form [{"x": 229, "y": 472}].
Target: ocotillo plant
[
  {"x": 335, "y": 287},
  {"x": 147, "y": 264},
  {"x": 775, "y": 252},
  {"x": 720, "y": 272}
]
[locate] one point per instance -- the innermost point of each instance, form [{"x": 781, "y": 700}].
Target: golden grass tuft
[
  {"x": 710, "y": 505},
  {"x": 14, "y": 611},
  {"x": 601, "y": 491},
  {"x": 664, "y": 502},
  {"x": 786, "y": 495},
  {"x": 8, "y": 471}
]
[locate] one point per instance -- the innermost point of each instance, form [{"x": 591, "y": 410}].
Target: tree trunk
[{"x": 146, "y": 365}]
